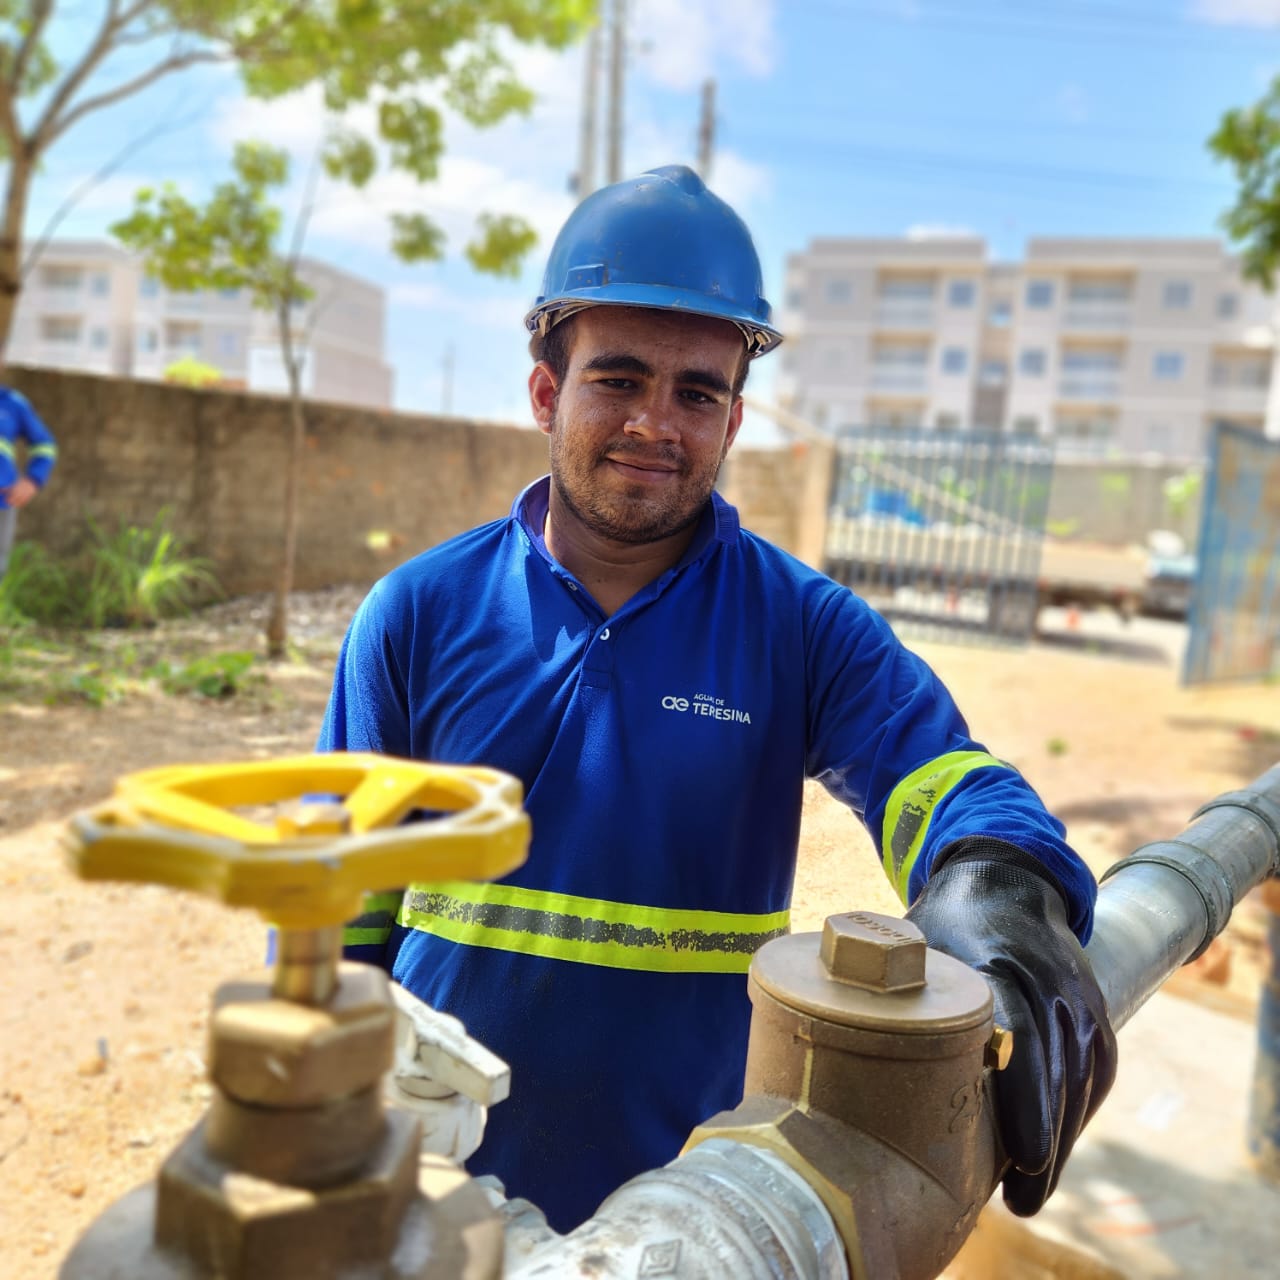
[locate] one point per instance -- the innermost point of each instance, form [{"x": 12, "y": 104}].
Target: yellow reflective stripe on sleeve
[
  {"x": 373, "y": 925},
  {"x": 43, "y": 451},
  {"x": 617, "y": 935},
  {"x": 7, "y": 450},
  {"x": 910, "y": 809}
]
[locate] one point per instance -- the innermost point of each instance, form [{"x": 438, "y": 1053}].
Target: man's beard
[{"x": 632, "y": 515}]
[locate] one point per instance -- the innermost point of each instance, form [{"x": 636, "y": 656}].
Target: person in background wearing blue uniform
[
  {"x": 19, "y": 422},
  {"x": 663, "y": 682}
]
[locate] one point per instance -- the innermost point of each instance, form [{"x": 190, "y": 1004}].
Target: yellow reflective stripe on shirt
[
  {"x": 372, "y": 926},
  {"x": 43, "y": 451},
  {"x": 7, "y": 450},
  {"x": 910, "y": 809},
  {"x": 617, "y": 935}
]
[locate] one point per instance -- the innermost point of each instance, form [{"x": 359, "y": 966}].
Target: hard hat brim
[{"x": 547, "y": 313}]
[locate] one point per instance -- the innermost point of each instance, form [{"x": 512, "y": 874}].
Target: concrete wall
[{"x": 378, "y": 487}]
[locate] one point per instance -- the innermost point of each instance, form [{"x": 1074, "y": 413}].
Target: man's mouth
[{"x": 653, "y": 465}]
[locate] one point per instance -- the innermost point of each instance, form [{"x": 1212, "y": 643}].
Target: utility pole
[
  {"x": 707, "y": 130},
  {"x": 446, "y": 382},
  {"x": 617, "y": 75},
  {"x": 586, "y": 182}
]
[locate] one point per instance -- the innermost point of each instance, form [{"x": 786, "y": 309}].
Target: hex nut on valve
[
  {"x": 873, "y": 951},
  {"x": 270, "y": 1052}
]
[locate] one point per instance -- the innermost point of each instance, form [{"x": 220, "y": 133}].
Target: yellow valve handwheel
[{"x": 176, "y": 826}]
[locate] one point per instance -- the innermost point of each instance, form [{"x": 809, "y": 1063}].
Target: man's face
[{"x": 642, "y": 419}]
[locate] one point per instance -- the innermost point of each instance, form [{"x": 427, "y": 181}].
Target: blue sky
[{"x": 834, "y": 117}]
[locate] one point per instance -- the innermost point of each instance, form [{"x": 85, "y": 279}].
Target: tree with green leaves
[
  {"x": 387, "y": 54},
  {"x": 233, "y": 241},
  {"x": 1248, "y": 138}
]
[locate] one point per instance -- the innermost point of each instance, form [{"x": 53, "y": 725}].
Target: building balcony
[
  {"x": 898, "y": 378},
  {"x": 1089, "y": 387},
  {"x": 911, "y": 316},
  {"x": 77, "y": 357},
  {"x": 1237, "y": 398},
  {"x": 1100, "y": 318}
]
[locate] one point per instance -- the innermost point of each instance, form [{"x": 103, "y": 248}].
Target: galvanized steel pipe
[{"x": 1163, "y": 904}]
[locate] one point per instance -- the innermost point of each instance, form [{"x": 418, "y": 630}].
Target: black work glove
[{"x": 1002, "y": 912}]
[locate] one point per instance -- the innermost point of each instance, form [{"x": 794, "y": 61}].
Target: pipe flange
[{"x": 1202, "y": 872}]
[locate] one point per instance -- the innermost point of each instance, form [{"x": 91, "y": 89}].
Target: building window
[
  {"x": 228, "y": 345},
  {"x": 100, "y": 284},
  {"x": 1039, "y": 294},
  {"x": 947, "y": 422},
  {"x": 98, "y": 338},
  {"x": 1032, "y": 362},
  {"x": 994, "y": 373},
  {"x": 1098, "y": 291},
  {"x": 1167, "y": 365},
  {"x": 64, "y": 279},
  {"x": 906, "y": 289},
  {"x": 1228, "y": 306},
  {"x": 1177, "y": 295},
  {"x": 1000, "y": 314},
  {"x": 148, "y": 339},
  {"x": 961, "y": 293},
  {"x": 795, "y": 299},
  {"x": 838, "y": 292},
  {"x": 60, "y": 329},
  {"x": 1026, "y": 427},
  {"x": 229, "y": 294},
  {"x": 149, "y": 287},
  {"x": 954, "y": 360}
]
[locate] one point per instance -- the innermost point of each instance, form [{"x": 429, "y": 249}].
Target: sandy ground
[{"x": 106, "y": 988}]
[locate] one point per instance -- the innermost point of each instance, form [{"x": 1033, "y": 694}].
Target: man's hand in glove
[{"x": 1001, "y": 911}]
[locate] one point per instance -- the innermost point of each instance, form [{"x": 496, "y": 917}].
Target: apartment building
[
  {"x": 89, "y": 306},
  {"x": 1109, "y": 346}
]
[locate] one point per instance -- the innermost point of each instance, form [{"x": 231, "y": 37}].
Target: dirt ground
[{"x": 106, "y": 988}]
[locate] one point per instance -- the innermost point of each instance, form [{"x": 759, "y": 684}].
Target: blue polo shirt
[
  {"x": 663, "y": 752},
  {"x": 19, "y": 421}
]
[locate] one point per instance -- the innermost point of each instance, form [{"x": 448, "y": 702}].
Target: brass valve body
[{"x": 866, "y": 1071}]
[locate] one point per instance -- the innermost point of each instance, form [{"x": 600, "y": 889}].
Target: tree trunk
[
  {"x": 17, "y": 187},
  {"x": 278, "y": 622}
]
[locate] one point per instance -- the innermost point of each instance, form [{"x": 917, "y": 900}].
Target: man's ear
[
  {"x": 735, "y": 421},
  {"x": 543, "y": 390}
]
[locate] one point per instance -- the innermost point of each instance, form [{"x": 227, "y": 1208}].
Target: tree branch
[
  {"x": 41, "y": 11},
  {"x": 45, "y": 131},
  {"x": 177, "y": 62}
]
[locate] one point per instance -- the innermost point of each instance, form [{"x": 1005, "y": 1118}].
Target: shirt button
[
  {"x": 573, "y": 586},
  {"x": 604, "y": 635}
]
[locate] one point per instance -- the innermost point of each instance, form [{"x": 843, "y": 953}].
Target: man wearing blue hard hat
[{"x": 663, "y": 682}]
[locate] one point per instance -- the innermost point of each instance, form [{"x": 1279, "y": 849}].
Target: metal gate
[
  {"x": 1234, "y": 619},
  {"x": 942, "y": 533}
]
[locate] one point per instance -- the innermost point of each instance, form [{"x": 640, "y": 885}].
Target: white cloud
[
  {"x": 680, "y": 43},
  {"x": 1237, "y": 13},
  {"x": 504, "y": 312}
]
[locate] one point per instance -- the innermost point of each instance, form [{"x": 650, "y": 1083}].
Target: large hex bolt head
[
  {"x": 875, "y": 952},
  {"x": 270, "y": 1052}
]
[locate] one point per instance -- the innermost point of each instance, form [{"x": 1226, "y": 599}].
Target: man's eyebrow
[
  {"x": 617, "y": 362},
  {"x": 708, "y": 379}
]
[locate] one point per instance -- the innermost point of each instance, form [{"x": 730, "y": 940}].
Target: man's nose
[{"x": 651, "y": 419}]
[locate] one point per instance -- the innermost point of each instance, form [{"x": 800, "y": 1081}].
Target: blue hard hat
[{"x": 660, "y": 240}]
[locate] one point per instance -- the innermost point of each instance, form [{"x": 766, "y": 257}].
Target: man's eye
[{"x": 698, "y": 397}]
